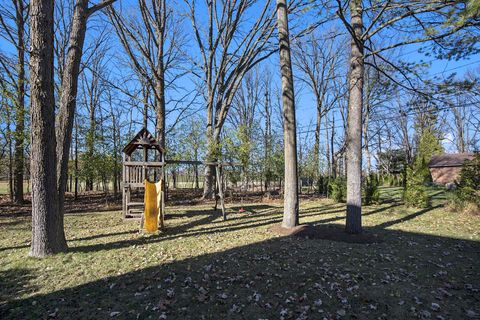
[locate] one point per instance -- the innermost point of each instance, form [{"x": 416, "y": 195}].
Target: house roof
[
  {"x": 142, "y": 140},
  {"x": 450, "y": 160}
]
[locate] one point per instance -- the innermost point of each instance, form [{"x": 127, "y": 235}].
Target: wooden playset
[{"x": 142, "y": 168}]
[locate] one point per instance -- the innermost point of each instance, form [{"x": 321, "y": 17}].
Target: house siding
[{"x": 444, "y": 175}]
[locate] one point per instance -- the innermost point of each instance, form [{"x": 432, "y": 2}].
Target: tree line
[{"x": 203, "y": 74}]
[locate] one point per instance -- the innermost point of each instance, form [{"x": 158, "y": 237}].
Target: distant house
[{"x": 445, "y": 168}]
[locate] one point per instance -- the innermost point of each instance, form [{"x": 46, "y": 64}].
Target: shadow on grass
[
  {"x": 290, "y": 277},
  {"x": 407, "y": 218},
  {"x": 14, "y": 283},
  {"x": 211, "y": 223}
]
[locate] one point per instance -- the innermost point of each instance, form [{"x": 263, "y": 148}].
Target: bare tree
[
  {"x": 354, "y": 127},
  {"x": 69, "y": 88},
  {"x": 15, "y": 34},
  {"x": 267, "y": 135},
  {"x": 230, "y": 46},
  {"x": 243, "y": 118},
  {"x": 6, "y": 133},
  {"x": 92, "y": 89},
  {"x": 47, "y": 228},
  {"x": 319, "y": 60},
  {"x": 365, "y": 26},
  {"x": 290, "y": 207},
  {"x": 152, "y": 41}
]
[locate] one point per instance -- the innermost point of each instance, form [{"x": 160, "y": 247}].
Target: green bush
[
  {"x": 323, "y": 185},
  {"x": 338, "y": 189},
  {"x": 415, "y": 194},
  {"x": 371, "y": 190},
  {"x": 422, "y": 171},
  {"x": 467, "y": 193}
]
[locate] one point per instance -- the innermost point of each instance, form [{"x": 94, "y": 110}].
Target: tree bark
[
  {"x": 8, "y": 136},
  {"x": 68, "y": 96},
  {"x": 209, "y": 173},
  {"x": 47, "y": 223},
  {"x": 327, "y": 147},
  {"x": 197, "y": 184},
  {"x": 290, "y": 214},
  {"x": 354, "y": 122},
  {"x": 76, "y": 162},
  {"x": 20, "y": 105},
  {"x": 160, "y": 92},
  {"x": 267, "y": 137},
  {"x": 316, "y": 146},
  {"x": 368, "y": 155}
]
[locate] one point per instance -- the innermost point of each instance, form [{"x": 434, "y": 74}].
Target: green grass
[
  {"x": 4, "y": 187},
  {"x": 426, "y": 265}
]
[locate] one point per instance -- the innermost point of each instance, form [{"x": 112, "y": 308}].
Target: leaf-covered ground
[{"x": 425, "y": 265}]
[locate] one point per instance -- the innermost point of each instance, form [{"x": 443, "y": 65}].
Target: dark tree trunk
[
  {"x": 212, "y": 156},
  {"x": 327, "y": 147},
  {"x": 145, "y": 106},
  {"x": 316, "y": 146},
  {"x": 47, "y": 223},
  {"x": 267, "y": 139},
  {"x": 76, "y": 162},
  {"x": 160, "y": 108},
  {"x": 115, "y": 162},
  {"x": 10, "y": 153},
  {"x": 160, "y": 9},
  {"x": 354, "y": 123},
  {"x": 209, "y": 182},
  {"x": 290, "y": 214},
  {"x": 197, "y": 183},
  {"x": 20, "y": 105},
  {"x": 68, "y": 96},
  {"x": 90, "y": 147},
  {"x": 332, "y": 150}
]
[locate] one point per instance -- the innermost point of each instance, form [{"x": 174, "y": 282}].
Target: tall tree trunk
[
  {"x": 20, "y": 104},
  {"x": 160, "y": 114},
  {"x": 316, "y": 146},
  {"x": 115, "y": 152},
  {"x": 327, "y": 147},
  {"x": 68, "y": 96},
  {"x": 332, "y": 149},
  {"x": 354, "y": 123},
  {"x": 145, "y": 106},
  {"x": 368, "y": 155},
  {"x": 10, "y": 153},
  {"x": 197, "y": 185},
  {"x": 290, "y": 213},
  {"x": 160, "y": 103},
  {"x": 76, "y": 162},
  {"x": 267, "y": 138},
  {"x": 90, "y": 146},
  {"x": 209, "y": 173},
  {"x": 48, "y": 236}
]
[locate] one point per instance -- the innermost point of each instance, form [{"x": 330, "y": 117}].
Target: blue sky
[{"x": 305, "y": 107}]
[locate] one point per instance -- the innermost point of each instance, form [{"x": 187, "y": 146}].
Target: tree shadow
[
  {"x": 407, "y": 218},
  {"x": 14, "y": 283},
  {"x": 286, "y": 277},
  {"x": 23, "y": 246},
  {"x": 210, "y": 222}
]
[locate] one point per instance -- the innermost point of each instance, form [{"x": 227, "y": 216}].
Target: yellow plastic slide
[{"x": 153, "y": 196}]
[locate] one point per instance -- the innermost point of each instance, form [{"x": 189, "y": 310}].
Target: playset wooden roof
[{"x": 142, "y": 140}]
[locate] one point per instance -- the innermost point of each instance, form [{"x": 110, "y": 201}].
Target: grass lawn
[
  {"x": 425, "y": 265},
  {"x": 4, "y": 187}
]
